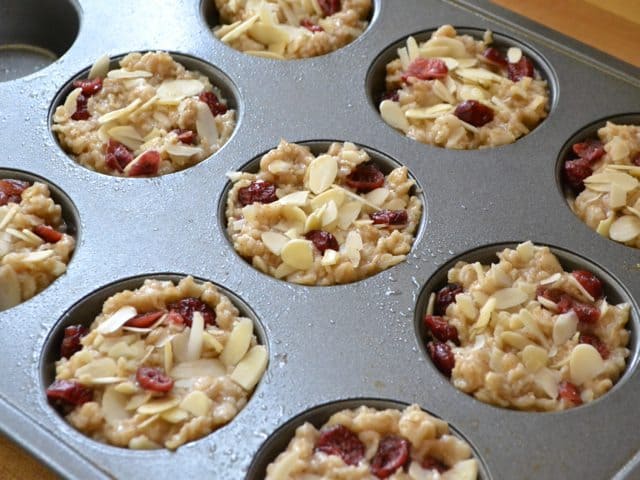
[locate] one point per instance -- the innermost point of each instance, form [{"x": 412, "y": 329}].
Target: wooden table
[{"x": 612, "y": 26}]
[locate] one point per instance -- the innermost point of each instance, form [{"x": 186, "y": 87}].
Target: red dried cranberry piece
[
  {"x": 322, "y": 240},
  {"x": 117, "y": 156},
  {"x": 259, "y": 191},
  {"x": 329, "y": 7},
  {"x": 365, "y": 177},
  {"x": 154, "y": 379},
  {"x": 442, "y": 356},
  {"x": 591, "y": 150},
  {"x": 82, "y": 112},
  {"x": 522, "y": 68},
  {"x": 11, "y": 190},
  {"x": 89, "y": 87},
  {"x": 575, "y": 171},
  {"x": 47, "y": 233},
  {"x": 144, "y": 320},
  {"x": 68, "y": 393},
  {"x": 426, "y": 69},
  {"x": 392, "y": 454},
  {"x": 390, "y": 217},
  {"x": 446, "y": 296},
  {"x": 636, "y": 160},
  {"x": 474, "y": 113},
  {"x": 71, "y": 341},
  {"x": 586, "y": 313},
  {"x": 440, "y": 329},
  {"x": 589, "y": 281},
  {"x": 495, "y": 56},
  {"x": 186, "y": 136},
  {"x": 187, "y": 306},
  {"x": 596, "y": 343},
  {"x": 216, "y": 107},
  {"x": 146, "y": 164},
  {"x": 309, "y": 25},
  {"x": 569, "y": 392},
  {"x": 393, "y": 95},
  {"x": 339, "y": 440},
  {"x": 430, "y": 463},
  {"x": 175, "y": 317},
  {"x": 565, "y": 303}
]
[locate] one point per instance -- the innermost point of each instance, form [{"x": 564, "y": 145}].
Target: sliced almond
[
  {"x": 117, "y": 320},
  {"x": 485, "y": 315},
  {"x": 105, "y": 380},
  {"x": 274, "y": 241},
  {"x": 71, "y": 102},
  {"x": 451, "y": 47},
  {"x": 113, "y": 405},
  {"x": 509, "y": 298},
  {"x": 322, "y": 173},
  {"x": 443, "y": 92},
  {"x": 623, "y": 180},
  {"x": 128, "y": 388},
  {"x": 534, "y": 357},
  {"x": 515, "y": 340},
  {"x": 251, "y": 367},
  {"x": 470, "y": 92},
  {"x": 121, "y": 73},
  {"x": 241, "y": 28},
  {"x": 605, "y": 225},
  {"x": 298, "y": 254},
  {"x": 194, "y": 346},
  {"x": 573, "y": 281},
  {"x": 314, "y": 220},
  {"x": 206, "y": 124},
  {"x": 403, "y": 55},
  {"x": 394, "y": 116},
  {"x": 450, "y": 62},
  {"x": 137, "y": 400},
  {"x": 127, "y": 135},
  {"x": 434, "y": 111},
  {"x": 547, "y": 380},
  {"x": 100, "y": 67},
  {"x": 299, "y": 199},
  {"x": 462, "y": 470},
  {"x": 412, "y": 49},
  {"x": 585, "y": 364},
  {"x": 514, "y": 54},
  {"x": 268, "y": 34},
  {"x": 159, "y": 405},
  {"x": 175, "y": 415},
  {"x": 167, "y": 356},
  {"x": 330, "y": 257},
  {"x": 377, "y": 196},
  {"x": 181, "y": 150},
  {"x": 625, "y": 228},
  {"x": 337, "y": 196},
  {"x": 564, "y": 327},
  {"x": 120, "y": 113},
  {"x": 8, "y": 216},
  {"x": 295, "y": 216},
  {"x": 283, "y": 270},
  {"x": 348, "y": 213},
  {"x": 197, "y": 403},
  {"x": 176, "y": 90},
  {"x": 478, "y": 75},
  {"x": 238, "y": 342},
  {"x": 204, "y": 367},
  {"x": 551, "y": 279},
  {"x": 330, "y": 215},
  {"x": 279, "y": 166},
  {"x": 617, "y": 149}
]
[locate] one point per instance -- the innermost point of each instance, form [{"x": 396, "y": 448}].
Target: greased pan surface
[{"x": 325, "y": 343}]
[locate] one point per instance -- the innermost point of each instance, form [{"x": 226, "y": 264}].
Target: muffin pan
[{"x": 356, "y": 341}]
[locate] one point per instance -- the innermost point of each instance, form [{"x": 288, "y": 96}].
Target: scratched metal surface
[{"x": 325, "y": 343}]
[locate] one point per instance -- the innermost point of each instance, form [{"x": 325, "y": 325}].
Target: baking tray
[{"x": 325, "y": 343}]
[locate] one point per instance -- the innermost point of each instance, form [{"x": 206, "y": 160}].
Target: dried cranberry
[
  {"x": 636, "y": 160},
  {"x": 392, "y": 95},
  {"x": 495, "y": 56},
  {"x": 11, "y": 190},
  {"x": 117, "y": 156},
  {"x": 392, "y": 454},
  {"x": 596, "y": 343},
  {"x": 575, "y": 171},
  {"x": 146, "y": 164},
  {"x": 430, "y": 463},
  {"x": 474, "y": 113},
  {"x": 68, "y": 393},
  {"x": 89, "y": 87},
  {"x": 71, "y": 341},
  {"x": 426, "y": 69},
  {"x": 440, "y": 329},
  {"x": 586, "y": 313},
  {"x": 309, "y": 25},
  {"x": 186, "y": 136},
  {"x": 322, "y": 240},
  {"x": 187, "y": 306},
  {"x": 522, "y": 68},
  {"x": 590, "y": 150},
  {"x": 329, "y": 7},
  {"x": 569, "y": 392},
  {"x": 216, "y": 107},
  {"x": 82, "y": 112},
  {"x": 446, "y": 296},
  {"x": 259, "y": 191},
  {"x": 144, "y": 320},
  {"x": 339, "y": 440},
  {"x": 565, "y": 303},
  {"x": 154, "y": 379},
  {"x": 390, "y": 217},
  {"x": 442, "y": 356},
  {"x": 589, "y": 281},
  {"x": 365, "y": 177},
  {"x": 47, "y": 233}
]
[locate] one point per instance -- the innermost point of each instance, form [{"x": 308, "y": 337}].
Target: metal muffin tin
[{"x": 325, "y": 343}]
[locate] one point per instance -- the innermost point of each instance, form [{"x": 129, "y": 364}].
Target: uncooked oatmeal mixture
[
  {"x": 162, "y": 365},
  {"x": 525, "y": 334},
  {"x": 286, "y": 29},
  {"x": 149, "y": 117},
  {"x": 604, "y": 173},
  {"x": 34, "y": 246},
  {"x": 455, "y": 91},
  {"x": 370, "y": 444},
  {"x": 325, "y": 219}
]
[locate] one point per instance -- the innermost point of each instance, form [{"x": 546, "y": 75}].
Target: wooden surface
[{"x": 612, "y": 26}]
